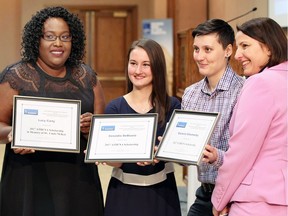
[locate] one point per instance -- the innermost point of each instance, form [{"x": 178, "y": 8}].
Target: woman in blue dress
[{"x": 137, "y": 188}]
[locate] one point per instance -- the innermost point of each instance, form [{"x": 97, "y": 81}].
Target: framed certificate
[
  {"x": 186, "y": 136},
  {"x": 46, "y": 124},
  {"x": 122, "y": 138}
]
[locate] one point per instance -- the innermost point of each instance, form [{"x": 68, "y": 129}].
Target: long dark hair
[
  {"x": 159, "y": 96},
  {"x": 33, "y": 31}
]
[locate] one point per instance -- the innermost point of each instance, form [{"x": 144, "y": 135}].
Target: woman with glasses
[{"x": 42, "y": 183}]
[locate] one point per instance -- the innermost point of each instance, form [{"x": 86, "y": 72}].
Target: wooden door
[{"x": 109, "y": 31}]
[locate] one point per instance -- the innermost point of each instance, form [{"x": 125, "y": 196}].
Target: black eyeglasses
[{"x": 51, "y": 37}]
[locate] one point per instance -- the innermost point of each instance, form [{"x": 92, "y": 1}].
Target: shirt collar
[{"x": 223, "y": 84}]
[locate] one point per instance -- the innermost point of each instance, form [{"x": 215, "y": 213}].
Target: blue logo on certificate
[
  {"x": 181, "y": 124},
  {"x": 108, "y": 128},
  {"x": 30, "y": 111}
]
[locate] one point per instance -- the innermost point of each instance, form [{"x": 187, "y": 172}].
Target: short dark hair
[
  {"x": 33, "y": 31},
  {"x": 159, "y": 95},
  {"x": 270, "y": 33},
  {"x": 224, "y": 31}
]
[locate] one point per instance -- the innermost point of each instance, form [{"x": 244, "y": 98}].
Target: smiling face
[
  {"x": 139, "y": 69},
  {"x": 210, "y": 56},
  {"x": 53, "y": 54},
  {"x": 252, "y": 54}
]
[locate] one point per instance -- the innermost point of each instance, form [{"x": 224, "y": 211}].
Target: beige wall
[
  {"x": 228, "y": 9},
  {"x": 190, "y": 13},
  {"x": 10, "y": 34},
  {"x": 9, "y": 41}
]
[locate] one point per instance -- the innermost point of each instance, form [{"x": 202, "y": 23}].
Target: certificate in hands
[
  {"x": 122, "y": 138},
  {"x": 46, "y": 124},
  {"x": 186, "y": 136}
]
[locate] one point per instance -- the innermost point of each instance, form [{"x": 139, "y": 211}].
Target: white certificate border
[
  {"x": 115, "y": 158},
  {"x": 72, "y": 147},
  {"x": 164, "y": 143}
]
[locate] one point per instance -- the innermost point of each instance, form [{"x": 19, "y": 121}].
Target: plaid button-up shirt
[{"x": 198, "y": 97}]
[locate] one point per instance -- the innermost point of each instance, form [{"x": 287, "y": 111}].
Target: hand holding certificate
[
  {"x": 46, "y": 124},
  {"x": 186, "y": 136},
  {"x": 122, "y": 138}
]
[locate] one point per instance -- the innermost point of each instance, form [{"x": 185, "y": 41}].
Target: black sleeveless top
[{"x": 50, "y": 183}]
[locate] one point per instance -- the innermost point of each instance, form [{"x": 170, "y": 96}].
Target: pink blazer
[{"x": 255, "y": 165}]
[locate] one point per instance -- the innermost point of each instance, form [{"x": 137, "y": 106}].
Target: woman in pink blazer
[{"x": 253, "y": 179}]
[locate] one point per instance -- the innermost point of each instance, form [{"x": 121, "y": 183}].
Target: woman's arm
[
  {"x": 6, "y": 109},
  {"x": 99, "y": 106},
  {"x": 99, "y": 99}
]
